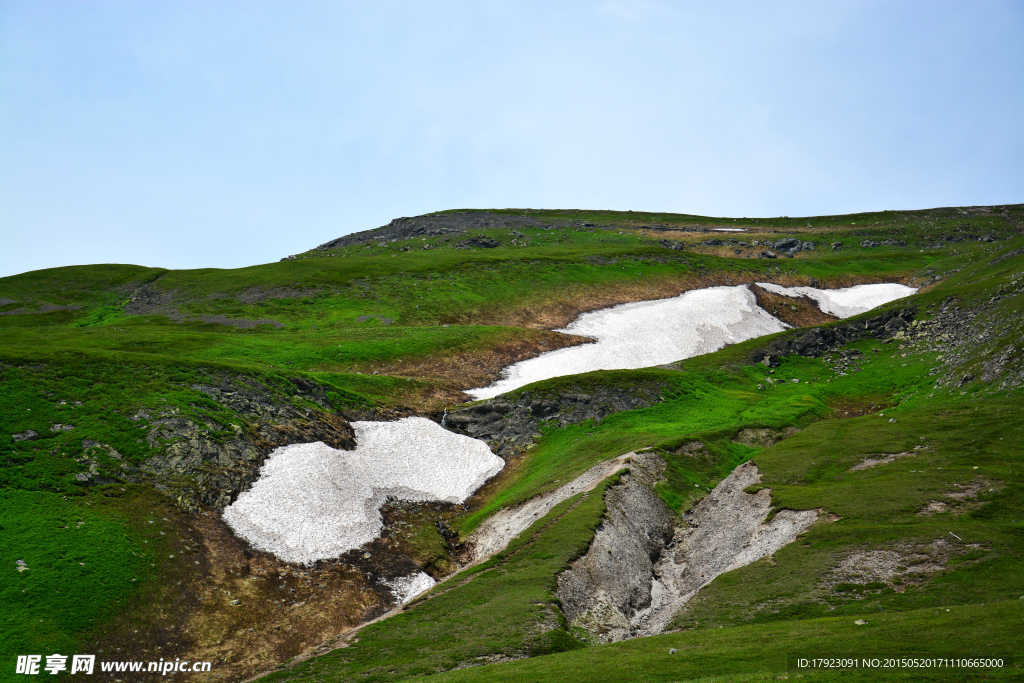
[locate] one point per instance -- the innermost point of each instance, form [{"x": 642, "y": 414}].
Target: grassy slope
[
  {"x": 114, "y": 364},
  {"x": 712, "y": 399}
]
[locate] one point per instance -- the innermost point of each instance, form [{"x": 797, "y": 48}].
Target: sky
[{"x": 214, "y": 133}]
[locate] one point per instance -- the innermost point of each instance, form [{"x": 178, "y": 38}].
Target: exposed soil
[
  {"x": 897, "y": 567},
  {"x": 875, "y": 461},
  {"x": 641, "y": 569},
  {"x": 795, "y": 311},
  {"x": 608, "y": 586},
  {"x": 763, "y": 437},
  {"x": 218, "y": 600},
  {"x": 562, "y": 308},
  {"x": 481, "y": 367},
  {"x": 280, "y": 610}
]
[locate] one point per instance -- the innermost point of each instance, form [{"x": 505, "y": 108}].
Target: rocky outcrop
[
  {"x": 642, "y": 568},
  {"x": 814, "y": 342},
  {"x": 479, "y": 242},
  {"x": 509, "y": 423},
  {"x": 207, "y": 463},
  {"x": 870, "y": 244},
  {"x": 973, "y": 343},
  {"x": 437, "y": 225},
  {"x": 606, "y": 588}
]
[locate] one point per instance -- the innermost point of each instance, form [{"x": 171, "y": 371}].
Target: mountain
[{"x": 863, "y": 469}]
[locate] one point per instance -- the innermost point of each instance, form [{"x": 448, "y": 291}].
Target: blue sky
[{"x": 222, "y": 134}]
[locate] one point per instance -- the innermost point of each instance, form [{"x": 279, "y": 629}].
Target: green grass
[
  {"x": 445, "y": 302},
  {"x": 87, "y": 558},
  {"x": 760, "y": 652}
]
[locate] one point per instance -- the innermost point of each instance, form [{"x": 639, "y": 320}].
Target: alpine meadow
[{"x": 527, "y": 445}]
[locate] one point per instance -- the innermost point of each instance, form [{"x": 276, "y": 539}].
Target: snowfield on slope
[
  {"x": 649, "y": 333},
  {"x": 848, "y": 301},
  {"x": 314, "y": 502}
]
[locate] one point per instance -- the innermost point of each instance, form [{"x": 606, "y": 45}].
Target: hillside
[{"x": 138, "y": 403}]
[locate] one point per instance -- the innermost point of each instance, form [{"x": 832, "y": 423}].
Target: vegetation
[{"x": 382, "y": 328}]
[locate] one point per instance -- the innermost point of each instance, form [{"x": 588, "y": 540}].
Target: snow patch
[
  {"x": 647, "y": 333},
  {"x": 848, "y": 301},
  {"x": 406, "y": 588},
  {"x": 313, "y": 502}
]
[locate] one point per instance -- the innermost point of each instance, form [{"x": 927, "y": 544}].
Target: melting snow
[
  {"x": 408, "y": 587},
  {"x": 649, "y": 333},
  {"x": 846, "y": 302},
  {"x": 313, "y": 502}
]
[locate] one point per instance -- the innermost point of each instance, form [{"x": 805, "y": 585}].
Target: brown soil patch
[
  {"x": 898, "y": 566},
  {"x": 796, "y": 311},
  {"x": 844, "y": 408},
  {"x": 763, "y": 437},
  {"x": 451, "y": 375},
  {"x": 220, "y": 601},
  {"x": 558, "y": 310},
  {"x": 448, "y": 376}
]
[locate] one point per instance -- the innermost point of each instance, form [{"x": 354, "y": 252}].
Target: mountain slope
[{"x": 140, "y": 401}]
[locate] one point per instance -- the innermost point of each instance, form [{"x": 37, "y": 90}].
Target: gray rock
[
  {"x": 27, "y": 435},
  {"x": 480, "y": 241},
  {"x": 816, "y": 341},
  {"x": 510, "y": 423},
  {"x": 605, "y": 588}
]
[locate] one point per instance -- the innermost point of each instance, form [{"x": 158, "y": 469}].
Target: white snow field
[
  {"x": 649, "y": 333},
  {"x": 846, "y": 302},
  {"x": 314, "y": 502}
]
